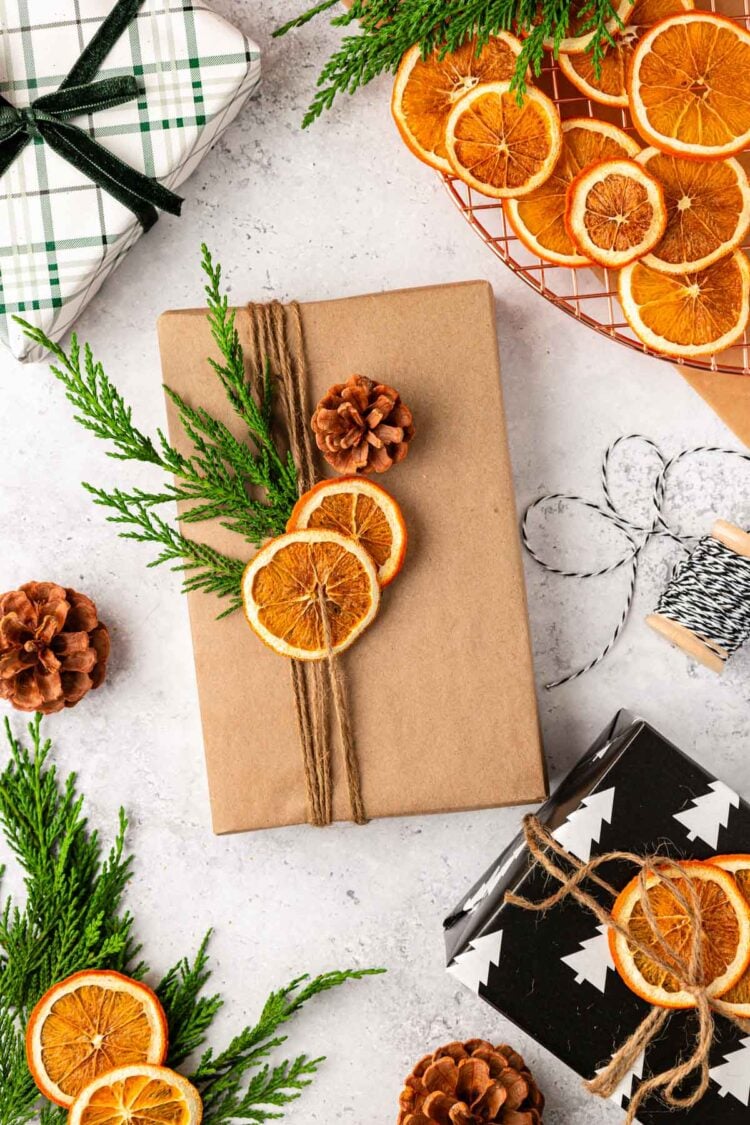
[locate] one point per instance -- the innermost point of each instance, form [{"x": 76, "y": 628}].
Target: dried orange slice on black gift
[{"x": 725, "y": 946}]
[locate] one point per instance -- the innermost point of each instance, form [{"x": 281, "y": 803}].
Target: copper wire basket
[{"x": 589, "y": 295}]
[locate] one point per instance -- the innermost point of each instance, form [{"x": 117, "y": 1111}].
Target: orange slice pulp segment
[
  {"x": 615, "y": 212},
  {"x": 88, "y": 1024},
  {"x": 690, "y": 314},
  {"x": 609, "y": 87},
  {"x": 425, "y": 90},
  {"x": 361, "y": 510},
  {"x": 708, "y": 210},
  {"x": 736, "y": 1001},
  {"x": 689, "y": 86},
  {"x": 310, "y": 592},
  {"x": 725, "y": 947},
  {"x": 539, "y": 217},
  {"x": 501, "y": 148},
  {"x": 138, "y": 1095}
]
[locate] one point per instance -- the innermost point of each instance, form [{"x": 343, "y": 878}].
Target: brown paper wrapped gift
[{"x": 441, "y": 687}]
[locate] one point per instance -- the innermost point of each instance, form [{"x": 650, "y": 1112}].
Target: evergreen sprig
[
  {"x": 389, "y": 28},
  {"x": 73, "y": 919},
  {"x": 248, "y": 485}
]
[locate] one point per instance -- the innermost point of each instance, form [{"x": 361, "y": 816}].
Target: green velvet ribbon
[{"x": 47, "y": 120}]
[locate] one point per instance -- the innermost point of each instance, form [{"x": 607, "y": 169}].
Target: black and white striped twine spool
[{"x": 709, "y": 592}]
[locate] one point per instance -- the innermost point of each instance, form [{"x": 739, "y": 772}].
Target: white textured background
[{"x": 344, "y": 209}]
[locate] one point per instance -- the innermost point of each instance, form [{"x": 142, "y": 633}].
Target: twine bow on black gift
[{"x": 48, "y": 120}]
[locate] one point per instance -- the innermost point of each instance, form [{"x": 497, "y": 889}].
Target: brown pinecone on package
[
  {"x": 53, "y": 648},
  {"x": 471, "y": 1083},
  {"x": 362, "y": 427}
]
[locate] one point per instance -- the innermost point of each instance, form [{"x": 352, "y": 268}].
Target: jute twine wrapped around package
[{"x": 652, "y": 870}]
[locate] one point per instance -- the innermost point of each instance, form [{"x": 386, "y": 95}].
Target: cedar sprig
[
  {"x": 73, "y": 919},
  {"x": 250, "y": 486},
  {"x": 389, "y": 28}
]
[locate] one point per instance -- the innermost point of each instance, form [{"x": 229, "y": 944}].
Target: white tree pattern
[
  {"x": 709, "y": 814},
  {"x": 624, "y": 1091},
  {"x": 733, "y": 1076},
  {"x": 583, "y": 827},
  {"x": 489, "y": 885},
  {"x": 472, "y": 967},
  {"x": 592, "y": 960}
]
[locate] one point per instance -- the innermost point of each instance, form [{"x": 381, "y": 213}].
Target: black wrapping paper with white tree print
[{"x": 552, "y": 974}]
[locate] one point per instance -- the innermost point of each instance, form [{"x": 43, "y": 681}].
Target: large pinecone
[
  {"x": 362, "y": 427},
  {"x": 471, "y": 1083},
  {"x": 53, "y": 648}
]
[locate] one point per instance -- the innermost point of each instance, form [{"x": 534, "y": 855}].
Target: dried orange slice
[
  {"x": 578, "y": 40},
  {"x": 615, "y": 212},
  {"x": 361, "y": 510},
  {"x": 726, "y": 938},
  {"x": 736, "y": 1002},
  {"x": 308, "y": 588},
  {"x": 610, "y": 86},
  {"x": 88, "y": 1024},
  {"x": 425, "y": 90},
  {"x": 708, "y": 210},
  {"x": 689, "y": 86},
  {"x": 138, "y": 1095},
  {"x": 499, "y": 147},
  {"x": 539, "y": 217},
  {"x": 690, "y": 314}
]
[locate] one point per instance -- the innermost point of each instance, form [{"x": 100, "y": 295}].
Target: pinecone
[
  {"x": 362, "y": 427},
  {"x": 471, "y": 1083},
  {"x": 53, "y": 648}
]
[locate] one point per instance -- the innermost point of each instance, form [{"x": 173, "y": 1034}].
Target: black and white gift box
[{"x": 552, "y": 973}]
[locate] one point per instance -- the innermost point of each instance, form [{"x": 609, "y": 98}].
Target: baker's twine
[
  {"x": 638, "y": 535},
  {"x": 319, "y": 687},
  {"x": 688, "y": 972}
]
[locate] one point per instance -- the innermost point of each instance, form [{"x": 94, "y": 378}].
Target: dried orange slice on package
[
  {"x": 726, "y": 938},
  {"x": 736, "y": 1002},
  {"x": 426, "y": 90},
  {"x": 609, "y": 87},
  {"x": 615, "y": 212},
  {"x": 361, "y": 510},
  {"x": 577, "y": 41},
  {"x": 88, "y": 1024},
  {"x": 689, "y": 86},
  {"x": 708, "y": 210},
  {"x": 310, "y": 593},
  {"x": 539, "y": 217},
  {"x": 138, "y": 1095},
  {"x": 501, "y": 148},
  {"x": 690, "y": 314}
]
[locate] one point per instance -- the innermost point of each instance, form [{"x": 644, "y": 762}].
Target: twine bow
[
  {"x": 637, "y": 534},
  {"x": 688, "y": 970},
  {"x": 48, "y": 120}
]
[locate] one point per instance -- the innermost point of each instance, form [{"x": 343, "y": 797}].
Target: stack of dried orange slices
[
  {"x": 720, "y": 889},
  {"x": 96, "y": 1044},
  {"x": 670, "y": 218},
  {"x": 312, "y": 592}
]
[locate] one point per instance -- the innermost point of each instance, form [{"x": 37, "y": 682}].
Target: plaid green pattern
[{"x": 60, "y": 235}]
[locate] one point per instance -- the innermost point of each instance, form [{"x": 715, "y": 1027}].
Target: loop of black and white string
[{"x": 709, "y": 593}]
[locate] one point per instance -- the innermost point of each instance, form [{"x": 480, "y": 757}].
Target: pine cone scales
[
  {"x": 53, "y": 648},
  {"x": 471, "y": 1083},
  {"x": 362, "y": 427}
]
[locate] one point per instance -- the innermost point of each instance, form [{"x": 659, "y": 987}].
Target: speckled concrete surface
[{"x": 337, "y": 210}]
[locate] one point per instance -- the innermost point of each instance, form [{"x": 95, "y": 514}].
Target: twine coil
[
  {"x": 572, "y": 875},
  {"x": 707, "y": 602}
]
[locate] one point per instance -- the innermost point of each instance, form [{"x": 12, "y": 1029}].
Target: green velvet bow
[{"x": 47, "y": 119}]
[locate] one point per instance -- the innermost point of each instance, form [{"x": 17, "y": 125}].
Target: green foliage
[
  {"x": 388, "y": 28},
  {"x": 223, "y": 476},
  {"x": 73, "y": 919}
]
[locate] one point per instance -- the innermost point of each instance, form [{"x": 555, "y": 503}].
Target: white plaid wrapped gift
[{"x": 60, "y": 234}]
